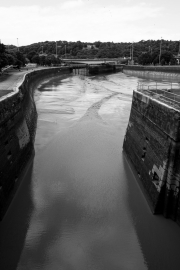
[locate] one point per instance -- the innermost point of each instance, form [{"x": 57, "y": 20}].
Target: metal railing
[{"x": 166, "y": 92}]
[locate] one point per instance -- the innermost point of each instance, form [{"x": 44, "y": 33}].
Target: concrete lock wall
[
  {"x": 152, "y": 144},
  {"x": 163, "y": 73},
  {"x": 18, "y": 118}
]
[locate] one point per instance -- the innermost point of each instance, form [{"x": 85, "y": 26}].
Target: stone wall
[
  {"x": 152, "y": 144},
  {"x": 18, "y": 117}
]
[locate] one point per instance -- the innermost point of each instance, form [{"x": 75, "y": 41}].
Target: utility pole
[
  {"x": 160, "y": 52},
  {"x": 56, "y": 49},
  {"x": 132, "y": 53},
  {"x": 17, "y": 45},
  {"x": 65, "y": 51}
]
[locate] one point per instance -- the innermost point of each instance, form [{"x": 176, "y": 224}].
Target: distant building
[
  {"x": 31, "y": 65},
  {"x": 42, "y": 54},
  {"x": 90, "y": 46},
  {"x": 177, "y": 57}
]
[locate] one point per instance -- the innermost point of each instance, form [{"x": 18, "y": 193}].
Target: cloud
[
  {"x": 74, "y": 20},
  {"x": 72, "y": 4}
]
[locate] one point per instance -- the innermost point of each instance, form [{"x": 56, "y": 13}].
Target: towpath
[{"x": 10, "y": 79}]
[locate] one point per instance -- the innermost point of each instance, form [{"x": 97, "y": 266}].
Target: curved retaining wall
[{"x": 18, "y": 118}]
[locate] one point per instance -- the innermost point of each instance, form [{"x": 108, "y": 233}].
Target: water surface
[{"x": 79, "y": 206}]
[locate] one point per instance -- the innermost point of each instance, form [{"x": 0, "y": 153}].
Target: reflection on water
[{"x": 88, "y": 212}]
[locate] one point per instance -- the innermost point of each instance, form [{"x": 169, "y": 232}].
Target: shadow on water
[
  {"x": 14, "y": 226},
  {"x": 158, "y": 237},
  {"x": 53, "y": 82},
  {"x": 54, "y": 219}
]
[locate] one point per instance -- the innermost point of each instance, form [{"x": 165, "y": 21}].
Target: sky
[{"x": 23, "y": 22}]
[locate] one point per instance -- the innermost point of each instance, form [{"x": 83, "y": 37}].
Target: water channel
[{"x": 79, "y": 206}]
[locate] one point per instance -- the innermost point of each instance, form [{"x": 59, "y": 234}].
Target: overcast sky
[{"x": 32, "y": 21}]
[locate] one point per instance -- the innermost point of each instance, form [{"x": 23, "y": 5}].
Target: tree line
[
  {"x": 51, "y": 52},
  {"x": 11, "y": 56}
]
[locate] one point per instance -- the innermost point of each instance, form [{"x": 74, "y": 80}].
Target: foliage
[
  {"x": 10, "y": 57},
  {"x": 165, "y": 58},
  {"x": 43, "y": 53},
  {"x": 2, "y": 48}
]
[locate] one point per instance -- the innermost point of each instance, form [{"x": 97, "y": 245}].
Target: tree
[
  {"x": 2, "y": 48},
  {"x": 31, "y": 54},
  {"x": 3, "y": 60},
  {"x": 167, "y": 57},
  {"x": 18, "y": 63},
  {"x": 21, "y": 58},
  {"x": 35, "y": 59},
  {"x": 42, "y": 60},
  {"x": 97, "y": 44},
  {"x": 156, "y": 60},
  {"x": 145, "y": 59},
  {"x": 11, "y": 59},
  {"x": 151, "y": 49}
]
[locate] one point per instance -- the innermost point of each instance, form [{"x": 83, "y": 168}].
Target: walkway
[{"x": 10, "y": 79}]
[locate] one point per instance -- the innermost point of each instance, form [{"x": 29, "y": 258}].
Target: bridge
[{"x": 93, "y": 66}]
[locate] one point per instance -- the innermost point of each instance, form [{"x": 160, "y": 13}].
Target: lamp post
[
  {"x": 150, "y": 49},
  {"x": 160, "y": 52},
  {"x": 132, "y": 54},
  {"x": 65, "y": 51},
  {"x": 56, "y": 49},
  {"x": 17, "y": 45},
  {"x": 130, "y": 51}
]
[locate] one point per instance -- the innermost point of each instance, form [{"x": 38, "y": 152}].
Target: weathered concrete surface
[
  {"x": 163, "y": 116},
  {"x": 18, "y": 119},
  {"x": 152, "y": 143},
  {"x": 170, "y": 69},
  {"x": 171, "y": 73}
]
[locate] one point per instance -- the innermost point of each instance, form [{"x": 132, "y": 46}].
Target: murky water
[{"x": 79, "y": 206}]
